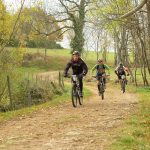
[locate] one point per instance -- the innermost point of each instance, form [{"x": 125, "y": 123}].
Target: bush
[
  {"x": 27, "y": 92},
  {"x": 35, "y": 44},
  {"x": 43, "y": 44}
]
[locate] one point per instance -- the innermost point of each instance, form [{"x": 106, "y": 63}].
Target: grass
[
  {"x": 32, "y": 69},
  {"x": 136, "y": 133},
  {"x": 57, "y": 60},
  {"x": 56, "y": 101}
]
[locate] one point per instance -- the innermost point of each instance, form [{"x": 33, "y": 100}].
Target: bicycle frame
[
  {"x": 75, "y": 80},
  {"x": 75, "y": 91}
]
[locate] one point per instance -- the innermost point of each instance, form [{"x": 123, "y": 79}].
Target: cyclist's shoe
[{"x": 81, "y": 94}]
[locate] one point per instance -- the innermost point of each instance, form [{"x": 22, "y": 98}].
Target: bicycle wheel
[
  {"x": 80, "y": 100},
  {"x": 74, "y": 96},
  {"x": 123, "y": 86},
  {"x": 102, "y": 91}
]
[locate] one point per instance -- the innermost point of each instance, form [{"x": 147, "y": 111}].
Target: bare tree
[{"x": 73, "y": 17}]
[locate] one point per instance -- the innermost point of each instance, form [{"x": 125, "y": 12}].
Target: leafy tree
[{"x": 34, "y": 23}]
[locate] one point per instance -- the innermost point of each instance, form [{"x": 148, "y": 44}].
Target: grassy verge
[
  {"x": 32, "y": 69},
  {"x": 136, "y": 133},
  {"x": 56, "y": 101}
]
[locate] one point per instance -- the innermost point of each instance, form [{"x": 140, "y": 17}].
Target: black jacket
[{"x": 78, "y": 67}]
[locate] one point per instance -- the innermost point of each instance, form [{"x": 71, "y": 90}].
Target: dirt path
[{"x": 90, "y": 127}]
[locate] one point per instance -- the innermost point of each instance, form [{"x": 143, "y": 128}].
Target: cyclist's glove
[{"x": 83, "y": 74}]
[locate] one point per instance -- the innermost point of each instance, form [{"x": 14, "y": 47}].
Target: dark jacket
[{"x": 78, "y": 67}]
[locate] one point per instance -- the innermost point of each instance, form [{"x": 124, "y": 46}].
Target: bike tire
[
  {"x": 123, "y": 87},
  {"x": 102, "y": 91},
  {"x": 102, "y": 96},
  {"x": 74, "y": 96},
  {"x": 80, "y": 100}
]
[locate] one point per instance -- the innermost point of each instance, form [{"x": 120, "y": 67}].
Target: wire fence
[{"x": 30, "y": 90}]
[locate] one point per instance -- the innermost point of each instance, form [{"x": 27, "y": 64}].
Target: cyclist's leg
[
  {"x": 126, "y": 81},
  {"x": 120, "y": 80},
  {"x": 81, "y": 86},
  {"x": 98, "y": 82},
  {"x": 104, "y": 79}
]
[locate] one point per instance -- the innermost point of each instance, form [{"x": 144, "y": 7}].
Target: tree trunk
[
  {"x": 148, "y": 16},
  {"x": 77, "y": 42}
]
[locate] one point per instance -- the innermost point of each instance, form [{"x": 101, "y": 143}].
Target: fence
[{"x": 30, "y": 90}]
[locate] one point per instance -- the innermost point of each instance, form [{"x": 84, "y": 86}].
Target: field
[{"x": 58, "y": 58}]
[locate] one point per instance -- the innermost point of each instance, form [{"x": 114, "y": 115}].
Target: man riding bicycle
[
  {"x": 121, "y": 70},
  {"x": 100, "y": 68},
  {"x": 79, "y": 68}
]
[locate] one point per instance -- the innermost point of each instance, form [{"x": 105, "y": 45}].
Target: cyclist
[
  {"x": 121, "y": 70},
  {"x": 100, "y": 68},
  {"x": 79, "y": 68}
]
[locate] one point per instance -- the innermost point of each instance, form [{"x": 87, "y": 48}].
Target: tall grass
[{"x": 136, "y": 133}]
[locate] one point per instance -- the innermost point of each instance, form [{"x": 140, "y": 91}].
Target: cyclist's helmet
[
  {"x": 120, "y": 64},
  {"x": 76, "y": 53},
  {"x": 100, "y": 60}
]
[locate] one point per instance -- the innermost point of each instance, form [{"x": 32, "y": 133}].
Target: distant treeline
[{"x": 36, "y": 44}]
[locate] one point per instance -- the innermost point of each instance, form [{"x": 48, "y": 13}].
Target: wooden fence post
[
  {"x": 9, "y": 92},
  {"x": 62, "y": 77},
  {"x": 29, "y": 101},
  {"x": 59, "y": 79}
]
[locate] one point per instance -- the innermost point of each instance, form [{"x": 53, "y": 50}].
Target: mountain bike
[
  {"x": 101, "y": 85},
  {"x": 75, "y": 94}
]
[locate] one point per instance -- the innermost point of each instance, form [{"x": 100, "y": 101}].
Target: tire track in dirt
[{"x": 89, "y": 127}]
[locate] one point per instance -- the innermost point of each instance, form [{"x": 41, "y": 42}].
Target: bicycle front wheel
[
  {"x": 80, "y": 100},
  {"x": 123, "y": 86},
  {"x": 74, "y": 96},
  {"x": 102, "y": 91}
]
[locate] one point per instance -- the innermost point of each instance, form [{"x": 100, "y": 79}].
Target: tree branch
[
  {"x": 53, "y": 32},
  {"x": 134, "y": 10},
  {"x": 14, "y": 27},
  {"x": 63, "y": 32},
  {"x": 77, "y": 5}
]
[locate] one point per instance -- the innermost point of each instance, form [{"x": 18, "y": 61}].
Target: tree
[
  {"x": 34, "y": 25},
  {"x": 130, "y": 29},
  {"x": 73, "y": 17}
]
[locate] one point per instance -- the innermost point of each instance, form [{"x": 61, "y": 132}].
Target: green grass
[
  {"x": 136, "y": 133},
  {"x": 56, "y": 101},
  {"x": 59, "y": 58},
  {"x": 32, "y": 69}
]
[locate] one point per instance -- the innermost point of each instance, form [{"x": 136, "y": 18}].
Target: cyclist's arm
[
  {"x": 93, "y": 69},
  {"x": 126, "y": 69},
  {"x": 85, "y": 68},
  {"x": 116, "y": 70},
  {"x": 67, "y": 68}
]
